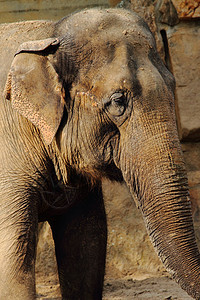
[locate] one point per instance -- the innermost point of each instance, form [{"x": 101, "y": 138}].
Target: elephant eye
[{"x": 116, "y": 104}]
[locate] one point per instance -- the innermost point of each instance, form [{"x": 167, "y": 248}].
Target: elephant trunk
[{"x": 152, "y": 166}]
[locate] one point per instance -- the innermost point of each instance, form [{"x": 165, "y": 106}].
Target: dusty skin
[{"x": 130, "y": 134}]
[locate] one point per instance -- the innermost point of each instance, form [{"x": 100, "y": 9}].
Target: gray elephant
[{"x": 89, "y": 98}]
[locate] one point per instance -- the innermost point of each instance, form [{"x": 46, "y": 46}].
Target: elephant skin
[{"x": 83, "y": 99}]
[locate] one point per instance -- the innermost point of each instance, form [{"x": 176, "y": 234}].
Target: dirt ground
[{"x": 162, "y": 288}]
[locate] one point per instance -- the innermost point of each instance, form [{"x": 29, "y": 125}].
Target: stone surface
[
  {"x": 46, "y": 261},
  {"x": 46, "y": 267},
  {"x": 17, "y": 10},
  {"x": 191, "y": 153},
  {"x": 184, "y": 45},
  {"x": 187, "y": 9},
  {"x": 166, "y": 12}
]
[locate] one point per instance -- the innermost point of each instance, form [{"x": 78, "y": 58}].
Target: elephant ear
[{"x": 34, "y": 89}]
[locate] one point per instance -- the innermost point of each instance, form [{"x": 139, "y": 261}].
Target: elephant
[{"x": 87, "y": 98}]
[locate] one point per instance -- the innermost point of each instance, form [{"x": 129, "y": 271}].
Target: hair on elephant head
[{"x": 103, "y": 103}]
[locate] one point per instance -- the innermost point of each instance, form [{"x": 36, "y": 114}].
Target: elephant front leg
[
  {"x": 80, "y": 240},
  {"x": 18, "y": 229}
]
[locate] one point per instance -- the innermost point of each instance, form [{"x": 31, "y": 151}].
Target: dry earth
[{"x": 162, "y": 288}]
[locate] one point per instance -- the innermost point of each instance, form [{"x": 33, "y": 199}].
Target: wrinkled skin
[{"x": 91, "y": 100}]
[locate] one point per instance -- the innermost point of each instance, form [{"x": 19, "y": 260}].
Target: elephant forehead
[
  {"x": 117, "y": 67},
  {"x": 105, "y": 24}
]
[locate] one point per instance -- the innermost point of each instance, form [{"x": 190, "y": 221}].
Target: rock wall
[
  {"x": 176, "y": 27},
  {"x": 17, "y": 10},
  {"x": 187, "y": 9}
]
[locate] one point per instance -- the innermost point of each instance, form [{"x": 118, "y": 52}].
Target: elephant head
[{"x": 103, "y": 101}]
